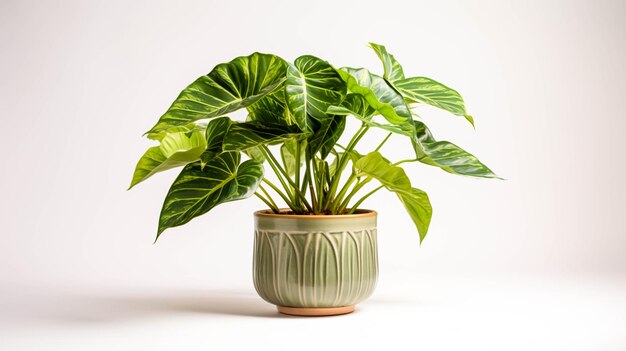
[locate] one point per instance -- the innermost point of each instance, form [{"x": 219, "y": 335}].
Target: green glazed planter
[{"x": 315, "y": 265}]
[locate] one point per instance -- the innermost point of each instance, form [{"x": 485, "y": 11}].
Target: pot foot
[{"x": 314, "y": 311}]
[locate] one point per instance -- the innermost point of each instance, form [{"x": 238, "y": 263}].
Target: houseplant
[{"x": 318, "y": 255}]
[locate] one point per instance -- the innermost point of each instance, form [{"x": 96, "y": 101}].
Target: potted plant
[{"x": 317, "y": 255}]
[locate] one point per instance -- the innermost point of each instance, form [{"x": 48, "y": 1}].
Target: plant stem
[
  {"x": 272, "y": 207},
  {"x": 277, "y": 190},
  {"x": 296, "y": 189},
  {"x": 405, "y": 161},
  {"x": 358, "y": 203},
  {"x": 383, "y": 142},
  {"x": 268, "y": 195},
  {"x": 355, "y": 190},
  {"x": 343, "y": 191},
  {"x": 342, "y": 164},
  {"x": 297, "y": 167}
]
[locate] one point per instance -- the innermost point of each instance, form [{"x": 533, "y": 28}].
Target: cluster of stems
[{"x": 325, "y": 195}]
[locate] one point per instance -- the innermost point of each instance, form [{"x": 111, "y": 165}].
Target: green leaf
[
  {"x": 395, "y": 179},
  {"x": 228, "y": 87},
  {"x": 198, "y": 189},
  {"x": 176, "y": 149},
  {"x": 392, "y": 177},
  {"x": 288, "y": 154},
  {"x": 353, "y": 104},
  {"x": 255, "y": 154},
  {"x": 418, "y": 206},
  {"x": 327, "y": 135},
  {"x": 215, "y": 132},
  {"x": 242, "y": 136},
  {"x": 427, "y": 91},
  {"x": 356, "y": 106},
  {"x": 393, "y": 69},
  {"x": 378, "y": 93},
  {"x": 312, "y": 86},
  {"x": 446, "y": 155},
  {"x": 271, "y": 109},
  {"x": 201, "y": 126}
]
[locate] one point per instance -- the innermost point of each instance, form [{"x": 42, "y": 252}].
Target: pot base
[{"x": 315, "y": 312}]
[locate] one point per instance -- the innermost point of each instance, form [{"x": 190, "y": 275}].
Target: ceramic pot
[{"x": 315, "y": 265}]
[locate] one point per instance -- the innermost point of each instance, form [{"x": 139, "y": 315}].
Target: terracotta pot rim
[{"x": 360, "y": 213}]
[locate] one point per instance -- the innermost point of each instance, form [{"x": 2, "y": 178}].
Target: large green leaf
[
  {"x": 198, "y": 189},
  {"x": 395, "y": 179},
  {"x": 271, "y": 109},
  {"x": 246, "y": 135},
  {"x": 327, "y": 135},
  {"x": 418, "y": 206},
  {"x": 393, "y": 69},
  {"x": 312, "y": 86},
  {"x": 356, "y": 106},
  {"x": 392, "y": 177},
  {"x": 215, "y": 132},
  {"x": 427, "y": 91},
  {"x": 378, "y": 93},
  {"x": 228, "y": 87},
  {"x": 175, "y": 150},
  {"x": 446, "y": 155}
]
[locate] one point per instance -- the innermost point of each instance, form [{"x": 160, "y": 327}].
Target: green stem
[
  {"x": 269, "y": 197},
  {"x": 358, "y": 203},
  {"x": 297, "y": 172},
  {"x": 343, "y": 191},
  {"x": 271, "y": 159},
  {"x": 280, "y": 193},
  {"x": 272, "y": 207},
  {"x": 405, "y": 161},
  {"x": 355, "y": 190},
  {"x": 383, "y": 142},
  {"x": 343, "y": 162}
]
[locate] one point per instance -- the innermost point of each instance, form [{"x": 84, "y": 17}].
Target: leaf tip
[{"x": 471, "y": 120}]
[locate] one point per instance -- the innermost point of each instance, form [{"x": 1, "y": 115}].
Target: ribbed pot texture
[{"x": 311, "y": 261}]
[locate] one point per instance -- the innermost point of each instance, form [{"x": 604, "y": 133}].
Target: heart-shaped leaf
[
  {"x": 228, "y": 87},
  {"x": 378, "y": 93},
  {"x": 312, "y": 86},
  {"x": 198, "y": 189},
  {"x": 176, "y": 149}
]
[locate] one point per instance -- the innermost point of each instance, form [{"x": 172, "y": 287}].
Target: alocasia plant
[{"x": 297, "y": 113}]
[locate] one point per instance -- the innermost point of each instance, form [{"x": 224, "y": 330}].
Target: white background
[{"x": 532, "y": 262}]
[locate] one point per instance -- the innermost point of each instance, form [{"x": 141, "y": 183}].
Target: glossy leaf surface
[
  {"x": 418, "y": 206},
  {"x": 198, "y": 189},
  {"x": 243, "y": 136},
  {"x": 312, "y": 86},
  {"x": 378, "y": 93},
  {"x": 395, "y": 179},
  {"x": 427, "y": 91},
  {"x": 176, "y": 149},
  {"x": 228, "y": 87},
  {"x": 446, "y": 155},
  {"x": 393, "y": 69}
]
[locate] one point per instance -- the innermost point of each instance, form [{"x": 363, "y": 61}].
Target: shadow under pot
[{"x": 315, "y": 265}]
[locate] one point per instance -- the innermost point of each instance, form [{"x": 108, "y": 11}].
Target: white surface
[
  {"x": 81, "y": 81},
  {"x": 427, "y": 312}
]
